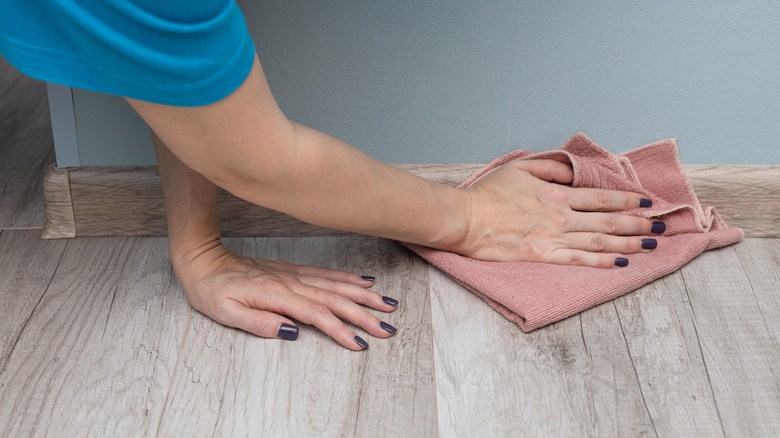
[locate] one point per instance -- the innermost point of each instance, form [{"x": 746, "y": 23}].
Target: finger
[
  {"x": 586, "y": 199},
  {"x": 352, "y": 292},
  {"x": 348, "y": 310},
  {"x": 319, "y": 315},
  {"x": 598, "y": 242},
  {"x": 547, "y": 170},
  {"x": 332, "y": 274},
  {"x": 610, "y": 223},
  {"x": 575, "y": 257},
  {"x": 259, "y": 322}
]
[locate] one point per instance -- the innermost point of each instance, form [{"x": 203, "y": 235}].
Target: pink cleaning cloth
[{"x": 536, "y": 294}]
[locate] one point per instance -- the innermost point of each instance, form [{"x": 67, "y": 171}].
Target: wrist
[
  {"x": 197, "y": 254},
  {"x": 454, "y": 232}
]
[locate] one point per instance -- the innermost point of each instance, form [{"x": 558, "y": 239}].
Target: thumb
[{"x": 547, "y": 170}]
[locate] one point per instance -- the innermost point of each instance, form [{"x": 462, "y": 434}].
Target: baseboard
[{"x": 128, "y": 201}]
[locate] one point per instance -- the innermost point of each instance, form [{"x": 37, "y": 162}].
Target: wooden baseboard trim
[
  {"x": 128, "y": 201},
  {"x": 60, "y": 220}
]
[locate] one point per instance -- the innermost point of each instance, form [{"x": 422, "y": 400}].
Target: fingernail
[
  {"x": 288, "y": 332},
  {"x": 368, "y": 277},
  {"x": 388, "y": 328},
  {"x": 658, "y": 227},
  {"x": 622, "y": 262},
  {"x": 649, "y": 243},
  {"x": 391, "y": 301},
  {"x": 363, "y": 344},
  {"x": 645, "y": 203}
]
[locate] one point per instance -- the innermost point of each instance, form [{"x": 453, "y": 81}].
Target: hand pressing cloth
[{"x": 536, "y": 294}]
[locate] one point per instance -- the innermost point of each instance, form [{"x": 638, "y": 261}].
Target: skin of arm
[
  {"x": 245, "y": 144},
  {"x": 305, "y": 173},
  {"x": 250, "y": 294}
]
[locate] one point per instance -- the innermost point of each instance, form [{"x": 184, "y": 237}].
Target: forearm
[
  {"x": 324, "y": 181},
  {"x": 245, "y": 144}
]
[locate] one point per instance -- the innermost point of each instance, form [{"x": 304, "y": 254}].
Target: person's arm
[
  {"x": 254, "y": 295},
  {"x": 245, "y": 144}
]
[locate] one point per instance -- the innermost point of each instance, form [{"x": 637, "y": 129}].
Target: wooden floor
[{"x": 97, "y": 339}]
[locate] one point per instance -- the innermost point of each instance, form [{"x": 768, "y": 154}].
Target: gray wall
[{"x": 439, "y": 81}]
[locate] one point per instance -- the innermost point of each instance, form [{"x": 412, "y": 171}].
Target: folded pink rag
[{"x": 536, "y": 294}]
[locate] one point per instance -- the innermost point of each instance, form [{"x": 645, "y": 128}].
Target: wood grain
[
  {"x": 760, "y": 258},
  {"x": 746, "y": 196},
  {"x": 26, "y": 147},
  {"x": 658, "y": 325},
  {"x": 97, "y": 355},
  {"x": 113, "y": 349},
  {"x": 27, "y": 265},
  {"x": 60, "y": 220},
  {"x": 128, "y": 201},
  {"x": 230, "y": 383},
  {"x": 733, "y": 319},
  {"x": 574, "y": 378}
]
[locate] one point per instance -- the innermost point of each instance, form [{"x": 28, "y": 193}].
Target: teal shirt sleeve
[{"x": 183, "y": 53}]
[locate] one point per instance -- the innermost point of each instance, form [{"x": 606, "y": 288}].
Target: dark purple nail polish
[
  {"x": 649, "y": 243},
  {"x": 622, "y": 262},
  {"x": 387, "y": 327},
  {"x": 368, "y": 277},
  {"x": 288, "y": 332},
  {"x": 363, "y": 344},
  {"x": 658, "y": 228},
  {"x": 645, "y": 203},
  {"x": 391, "y": 301}
]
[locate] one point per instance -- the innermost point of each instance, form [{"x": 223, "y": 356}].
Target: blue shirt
[{"x": 183, "y": 53}]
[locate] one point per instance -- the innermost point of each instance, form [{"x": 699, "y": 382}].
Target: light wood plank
[
  {"x": 128, "y": 201},
  {"x": 658, "y": 325},
  {"x": 27, "y": 265},
  {"x": 746, "y": 196},
  {"x": 760, "y": 258},
  {"x": 738, "y": 343},
  {"x": 26, "y": 148},
  {"x": 60, "y": 221},
  {"x": 233, "y": 384},
  {"x": 573, "y": 378},
  {"x": 97, "y": 355}
]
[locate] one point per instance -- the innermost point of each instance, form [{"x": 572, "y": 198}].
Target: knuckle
[
  {"x": 258, "y": 325},
  {"x": 576, "y": 260},
  {"x": 598, "y": 242},
  {"x": 333, "y": 299},
  {"x": 560, "y": 196},
  {"x": 318, "y": 311},
  {"x": 217, "y": 308},
  {"x": 602, "y": 201},
  {"x": 535, "y": 253},
  {"x": 560, "y": 221},
  {"x": 283, "y": 264},
  {"x": 610, "y": 224}
]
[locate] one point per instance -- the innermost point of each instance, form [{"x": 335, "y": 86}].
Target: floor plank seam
[
  {"x": 429, "y": 302},
  {"x": 29, "y": 317},
  {"x": 633, "y": 366},
  {"x": 175, "y": 372},
  {"x": 763, "y": 318},
  {"x": 703, "y": 358},
  {"x": 360, "y": 395}
]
